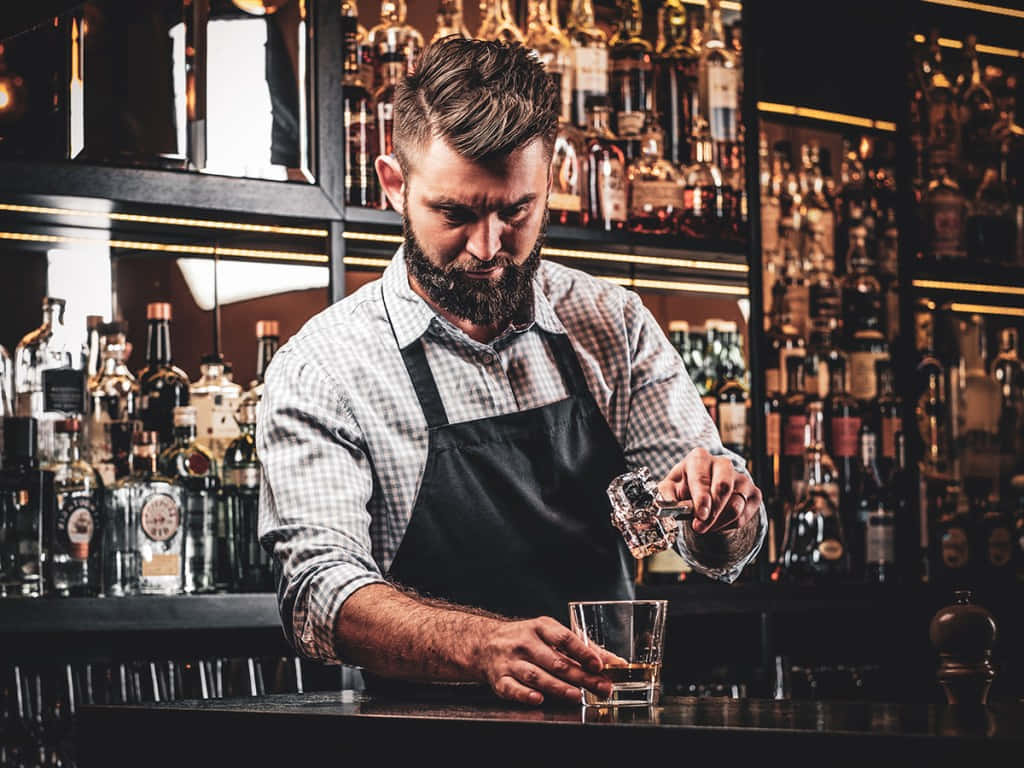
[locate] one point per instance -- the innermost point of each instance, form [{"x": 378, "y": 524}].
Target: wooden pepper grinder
[{"x": 963, "y": 633}]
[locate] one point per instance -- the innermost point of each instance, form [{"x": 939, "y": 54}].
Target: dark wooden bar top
[{"x": 450, "y": 728}]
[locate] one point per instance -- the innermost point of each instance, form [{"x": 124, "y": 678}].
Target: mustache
[{"x": 481, "y": 266}]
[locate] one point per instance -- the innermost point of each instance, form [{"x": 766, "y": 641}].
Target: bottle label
[
  {"x": 954, "y": 548},
  {"x": 824, "y": 301},
  {"x": 215, "y": 417},
  {"x": 244, "y": 477},
  {"x": 630, "y": 123},
  {"x": 564, "y": 201},
  {"x": 784, "y": 354},
  {"x": 161, "y": 564},
  {"x": 76, "y": 523},
  {"x": 732, "y": 423},
  {"x": 773, "y": 434},
  {"x": 831, "y": 549},
  {"x": 723, "y": 94},
  {"x": 197, "y": 464},
  {"x": 107, "y": 471},
  {"x": 160, "y": 517},
  {"x": 770, "y": 213},
  {"x": 651, "y": 196},
  {"x": 947, "y": 225},
  {"x": 881, "y": 544},
  {"x": 590, "y": 66},
  {"x": 863, "y": 381},
  {"x": 890, "y": 426},
  {"x": 844, "y": 436},
  {"x": 793, "y": 435},
  {"x": 611, "y": 189},
  {"x": 772, "y": 380},
  {"x": 1000, "y": 547}
]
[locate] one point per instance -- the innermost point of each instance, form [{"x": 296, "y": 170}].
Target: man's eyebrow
[{"x": 442, "y": 203}]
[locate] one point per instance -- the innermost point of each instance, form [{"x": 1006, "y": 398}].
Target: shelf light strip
[
  {"x": 828, "y": 117},
  {"x": 987, "y": 309},
  {"x": 170, "y": 220},
  {"x": 361, "y": 261},
  {"x": 979, "y": 7},
  {"x": 992, "y": 50},
  {"x": 142, "y": 245},
  {"x": 727, "y": 5},
  {"x": 674, "y": 285},
  {"x": 945, "y": 285},
  {"x": 619, "y": 258}
]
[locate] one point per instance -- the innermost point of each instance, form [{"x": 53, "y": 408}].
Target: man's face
[{"x": 473, "y": 232}]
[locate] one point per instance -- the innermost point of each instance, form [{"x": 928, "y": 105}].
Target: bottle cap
[
  {"x": 596, "y": 101},
  {"x": 116, "y": 328},
  {"x": 678, "y": 326},
  {"x": 266, "y": 328},
  {"x": 145, "y": 437},
  {"x": 247, "y": 412},
  {"x": 184, "y": 416},
  {"x": 67, "y": 426},
  {"x": 20, "y": 438},
  {"x": 93, "y": 321},
  {"x": 53, "y": 301},
  {"x": 158, "y": 310},
  {"x": 212, "y": 358}
]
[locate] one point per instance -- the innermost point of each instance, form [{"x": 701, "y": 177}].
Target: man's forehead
[{"x": 439, "y": 171}]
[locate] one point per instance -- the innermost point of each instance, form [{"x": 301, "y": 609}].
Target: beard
[{"x": 481, "y": 302}]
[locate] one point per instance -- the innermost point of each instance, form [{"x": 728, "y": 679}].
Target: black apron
[{"x": 512, "y": 514}]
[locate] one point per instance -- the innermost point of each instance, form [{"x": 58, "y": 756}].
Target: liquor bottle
[
  {"x": 675, "y": 94},
  {"x": 568, "y": 176},
  {"x": 991, "y": 228},
  {"x": 186, "y": 456},
  {"x": 860, "y": 289},
  {"x": 794, "y": 422},
  {"x": 979, "y": 449},
  {"x": 888, "y": 416},
  {"x": 911, "y": 530},
  {"x": 450, "y": 21},
  {"x": 242, "y": 561},
  {"x": 145, "y": 532},
  {"x": 732, "y": 408},
  {"x": 705, "y": 193},
  {"x": 719, "y": 80},
  {"x": 113, "y": 394},
  {"x": 360, "y": 123},
  {"x": 706, "y": 377},
  {"x": 797, "y": 292},
  {"x": 822, "y": 353},
  {"x": 818, "y": 433},
  {"x": 163, "y": 386},
  {"x": 629, "y": 57},
  {"x": 656, "y": 192},
  {"x": 215, "y": 399},
  {"x": 44, "y": 349},
  {"x": 814, "y": 549},
  {"x": 393, "y": 36},
  {"x": 392, "y": 42},
  {"x": 1007, "y": 371},
  {"x": 845, "y": 416},
  {"x": 679, "y": 337},
  {"x": 26, "y": 499},
  {"x": 952, "y": 537},
  {"x": 817, "y": 214},
  {"x": 71, "y": 539},
  {"x": 547, "y": 39},
  {"x": 589, "y": 58},
  {"x": 497, "y": 22},
  {"x": 995, "y": 541},
  {"x": 561, "y": 39},
  {"x": 781, "y": 341},
  {"x": 268, "y": 339},
  {"x": 823, "y": 296},
  {"x": 92, "y": 343},
  {"x": 942, "y": 140},
  {"x": 976, "y": 114},
  {"x": 869, "y": 501},
  {"x": 945, "y": 213},
  {"x": 868, "y": 348},
  {"x": 605, "y": 167}
]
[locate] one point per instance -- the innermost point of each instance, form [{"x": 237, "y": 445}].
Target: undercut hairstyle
[{"x": 484, "y": 99}]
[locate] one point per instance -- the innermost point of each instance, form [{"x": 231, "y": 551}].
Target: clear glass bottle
[
  {"x": 396, "y": 46},
  {"x": 186, "y": 456},
  {"x": 201, "y": 508},
  {"x": 797, "y": 294},
  {"x": 561, "y": 39},
  {"x": 92, "y": 343},
  {"x": 71, "y": 542},
  {"x": 589, "y": 58},
  {"x": 629, "y": 57},
  {"x": 719, "y": 83},
  {"x": 163, "y": 386},
  {"x": 976, "y": 113},
  {"x": 605, "y": 169},
  {"x": 676, "y": 67},
  {"x": 876, "y": 515},
  {"x": 547, "y": 39},
  {"x": 656, "y": 191},
  {"x": 360, "y": 121},
  {"x": 982, "y": 404},
  {"x": 249, "y": 563},
  {"x": 113, "y": 394},
  {"x": 146, "y": 530},
  {"x": 704, "y": 196},
  {"x": 450, "y": 21},
  {"x": 498, "y": 23},
  {"x": 568, "y": 177},
  {"x": 45, "y": 348},
  {"x": 6, "y": 390},
  {"x": 1008, "y": 372},
  {"x": 816, "y": 209},
  {"x": 824, "y": 300},
  {"x": 393, "y": 36},
  {"x": 268, "y": 339},
  {"x": 991, "y": 228},
  {"x": 215, "y": 399},
  {"x": 25, "y": 492},
  {"x": 732, "y": 408}
]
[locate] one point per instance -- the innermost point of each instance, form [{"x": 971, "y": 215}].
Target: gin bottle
[
  {"x": 248, "y": 561},
  {"x": 450, "y": 21},
  {"x": 589, "y": 58},
  {"x": 605, "y": 168},
  {"x": 145, "y": 533},
  {"x": 360, "y": 124},
  {"x": 163, "y": 386},
  {"x": 71, "y": 540},
  {"x": 215, "y": 398},
  {"x": 656, "y": 191},
  {"x": 568, "y": 171},
  {"x": 676, "y": 66},
  {"x": 719, "y": 83},
  {"x": 112, "y": 395},
  {"x": 630, "y": 61}
]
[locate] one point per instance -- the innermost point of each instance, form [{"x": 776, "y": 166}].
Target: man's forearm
[{"x": 393, "y": 634}]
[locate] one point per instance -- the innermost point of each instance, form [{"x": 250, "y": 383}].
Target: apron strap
[
  {"x": 568, "y": 364},
  {"x": 415, "y": 359}
]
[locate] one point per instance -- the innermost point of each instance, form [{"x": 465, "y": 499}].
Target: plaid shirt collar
[{"x": 412, "y": 317}]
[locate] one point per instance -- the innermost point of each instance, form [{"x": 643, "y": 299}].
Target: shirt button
[{"x": 487, "y": 358}]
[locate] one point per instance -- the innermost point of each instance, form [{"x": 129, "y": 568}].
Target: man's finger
[
  {"x": 562, "y": 639},
  {"x": 723, "y": 475},
  {"x": 752, "y": 508},
  {"x": 698, "y": 480},
  {"x": 510, "y": 689},
  {"x": 568, "y": 670},
  {"x": 532, "y": 676}
]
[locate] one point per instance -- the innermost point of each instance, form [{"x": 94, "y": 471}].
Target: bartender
[{"x": 436, "y": 447}]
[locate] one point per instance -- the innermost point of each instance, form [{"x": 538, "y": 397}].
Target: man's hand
[
  {"x": 722, "y": 497},
  {"x": 526, "y": 661}
]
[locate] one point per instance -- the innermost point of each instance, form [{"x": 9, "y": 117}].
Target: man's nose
[{"x": 484, "y": 240}]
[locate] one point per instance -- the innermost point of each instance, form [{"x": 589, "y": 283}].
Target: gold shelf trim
[
  {"x": 993, "y": 50},
  {"x": 947, "y": 285},
  {"x": 825, "y": 116},
  {"x": 169, "y": 220},
  {"x": 987, "y": 309},
  {"x": 979, "y": 7},
  {"x": 727, "y": 5}
]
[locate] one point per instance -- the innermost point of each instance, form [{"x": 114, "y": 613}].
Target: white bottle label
[
  {"x": 612, "y": 189},
  {"x": 630, "y": 123},
  {"x": 881, "y": 546},
  {"x": 590, "y": 66},
  {"x": 732, "y": 423},
  {"x": 651, "y": 196},
  {"x": 863, "y": 379},
  {"x": 562, "y": 201}
]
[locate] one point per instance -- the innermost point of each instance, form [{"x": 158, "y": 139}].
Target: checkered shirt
[{"x": 343, "y": 439}]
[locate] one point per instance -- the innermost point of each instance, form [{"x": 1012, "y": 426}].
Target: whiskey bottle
[
  {"x": 976, "y": 114},
  {"x": 242, "y": 561},
  {"x": 732, "y": 409},
  {"x": 995, "y": 541},
  {"x": 71, "y": 539},
  {"x": 868, "y": 348},
  {"x": 945, "y": 212},
  {"x": 821, "y": 355},
  {"x": 393, "y": 36},
  {"x": 215, "y": 398},
  {"x": 887, "y": 416},
  {"x": 656, "y": 191},
  {"x": 845, "y": 416},
  {"x": 1007, "y": 371},
  {"x": 981, "y": 400},
  {"x": 145, "y": 536},
  {"x": 497, "y": 22},
  {"x": 814, "y": 551},
  {"x": 360, "y": 123},
  {"x": 26, "y": 499},
  {"x": 719, "y": 80},
  {"x": 589, "y": 58},
  {"x": 450, "y": 21},
  {"x": 824, "y": 301},
  {"x": 797, "y": 291},
  {"x": 568, "y": 176},
  {"x": 630, "y": 61},
  {"x": 605, "y": 168},
  {"x": 991, "y": 229},
  {"x": 817, "y": 213},
  {"x": 112, "y": 395},
  {"x": 391, "y": 54},
  {"x": 952, "y": 564},
  {"x": 861, "y": 290},
  {"x": 553, "y": 48},
  {"x": 675, "y": 94},
  {"x": 268, "y": 338},
  {"x": 561, "y": 39},
  {"x": 817, "y": 433},
  {"x": 186, "y": 456},
  {"x": 163, "y": 386},
  {"x": 705, "y": 193},
  {"x": 872, "y": 544},
  {"x": 932, "y": 410},
  {"x": 781, "y": 341},
  {"x": 942, "y": 140},
  {"x": 794, "y": 423}
]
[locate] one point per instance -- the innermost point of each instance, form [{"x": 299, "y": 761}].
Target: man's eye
[
  {"x": 456, "y": 217},
  {"x": 511, "y": 214}
]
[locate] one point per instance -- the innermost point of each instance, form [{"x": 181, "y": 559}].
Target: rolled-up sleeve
[{"x": 313, "y": 515}]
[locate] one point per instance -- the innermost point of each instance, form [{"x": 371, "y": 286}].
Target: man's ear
[{"x": 391, "y": 180}]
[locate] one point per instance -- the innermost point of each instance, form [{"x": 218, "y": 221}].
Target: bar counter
[{"x": 470, "y": 727}]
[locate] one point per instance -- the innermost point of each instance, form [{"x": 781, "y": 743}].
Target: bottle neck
[
  {"x": 144, "y": 463},
  {"x": 598, "y": 120},
  {"x": 350, "y": 44},
  {"x": 158, "y": 342},
  {"x": 68, "y": 448},
  {"x": 581, "y": 16},
  {"x": 184, "y": 434},
  {"x": 795, "y": 380},
  {"x": 837, "y": 380},
  {"x": 868, "y": 453},
  {"x": 264, "y": 353},
  {"x": 814, "y": 474},
  {"x": 714, "y": 31},
  {"x": 247, "y": 429}
]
